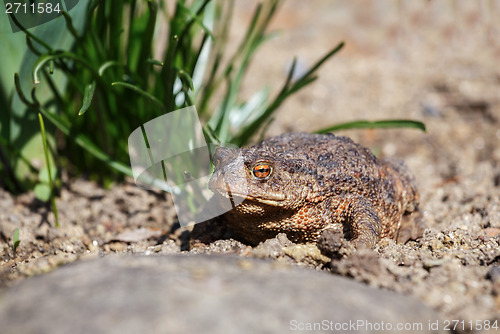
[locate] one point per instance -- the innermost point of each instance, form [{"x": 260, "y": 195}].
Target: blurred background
[{"x": 396, "y": 52}]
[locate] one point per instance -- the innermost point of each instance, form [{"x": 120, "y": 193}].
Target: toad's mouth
[{"x": 240, "y": 195}]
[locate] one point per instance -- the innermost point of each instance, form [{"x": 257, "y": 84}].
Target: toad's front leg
[{"x": 361, "y": 222}]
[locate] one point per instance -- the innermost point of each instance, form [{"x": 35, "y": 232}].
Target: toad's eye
[{"x": 262, "y": 170}]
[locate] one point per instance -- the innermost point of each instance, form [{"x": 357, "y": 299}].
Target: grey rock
[{"x": 199, "y": 294}]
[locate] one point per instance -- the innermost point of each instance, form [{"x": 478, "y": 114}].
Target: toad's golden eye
[{"x": 262, "y": 170}]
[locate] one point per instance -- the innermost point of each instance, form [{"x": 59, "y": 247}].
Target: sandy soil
[{"x": 429, "y": 61}]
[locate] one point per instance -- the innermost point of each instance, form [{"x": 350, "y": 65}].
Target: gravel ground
[{"x": 430, "y": 61}]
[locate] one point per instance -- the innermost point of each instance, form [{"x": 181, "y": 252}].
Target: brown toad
[{"x": 302, "y": 184}]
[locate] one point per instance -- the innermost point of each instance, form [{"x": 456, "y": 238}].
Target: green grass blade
[
  {"x": 139, "y": 91},
  {"x": 322, "y": 60},
  {"x": 30, "y": 45},
  {"x": 48, "y": 57},
  {"x": 114, "y": 15},
  {"x": 186, "y": 79},
  {"x": 47, "y": 161},
  {"x": 27, "y": 32},
  {"x": 401, "y": 123},
  {"x": 107, "y": 65},
  {"x": 15, "y": 240},
  {"x": 247, "y": 112},
  {"x": 249, "y": 34},
  {"x": 87, "y": 98},
  {"x": 70, "y": 26},
  {"x": 189, "y": 23},
  {"x": 155, "y": 62},
  {"x": 196, "y": 18},
  {"x": 146, "y": 42},
  {"x": 290, "y": 75},
  {"x": 22, "y": 97}
]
